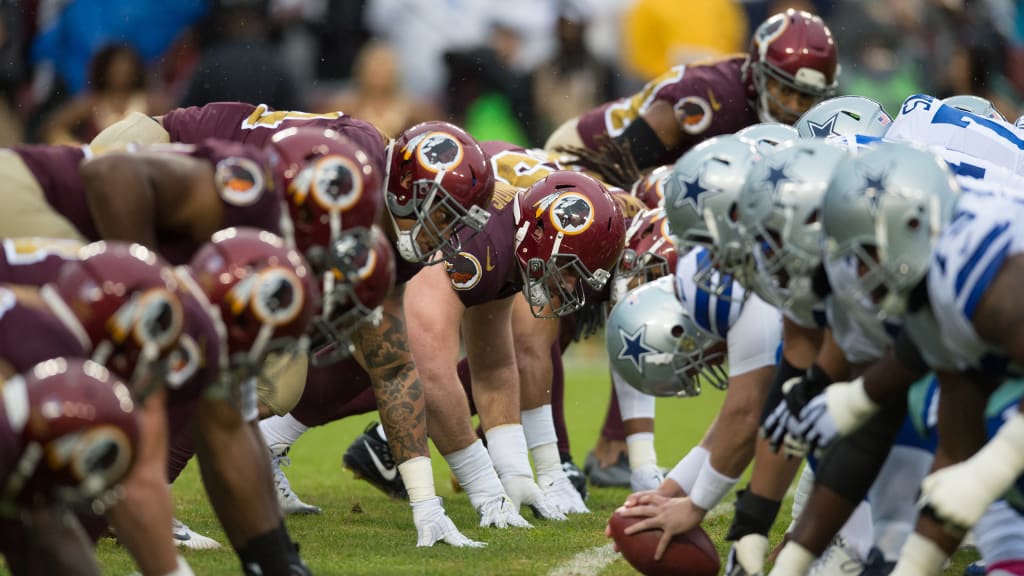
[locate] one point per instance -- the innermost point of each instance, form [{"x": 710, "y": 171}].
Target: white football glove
[
  {"x": 501, "y": 512},
  {"x": 840, "y": 410},
  {"x": 746, "y": 557},
  {"x": 523, "y": 490},
  {"x": 433, "y": 526},
  {"x": 562, "y": 494},
  {"x": 959, "y": 495}
]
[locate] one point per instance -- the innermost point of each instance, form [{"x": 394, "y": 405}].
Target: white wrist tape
[
  {"x": 849, "y": 405},
  {"x": 711, "y": 487},
  {"x": 418, "y": 477},
  {"x": 920, "y": 557},
  {"x": 685, "y": 473},
  {"x": 794, "y": 560},
  {"x": 1001, "y": 460},
  {"x": 475, "y": 472},
  {"x": 538, "y": 426},
  {"x": 507, "y": 446},
  {"x": 546, "y": 461}
]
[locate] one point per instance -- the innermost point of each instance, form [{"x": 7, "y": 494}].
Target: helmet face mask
[
  {"x": 656, "y": 347},
  {"x": 441, "y": 180}
]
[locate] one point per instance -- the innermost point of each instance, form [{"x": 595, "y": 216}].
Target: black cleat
[
  {"x": 575, "y": 475},
  {"x": 369, "y": 457}
]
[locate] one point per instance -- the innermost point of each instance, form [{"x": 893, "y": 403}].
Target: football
[{"x": 689, "y": 554}]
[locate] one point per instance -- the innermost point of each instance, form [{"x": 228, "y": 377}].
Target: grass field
[{"x": 361, "y": 531}]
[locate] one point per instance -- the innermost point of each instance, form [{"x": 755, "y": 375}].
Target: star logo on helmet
[
  {"x": 874, "y": 186},
  {"x": 776, "y": 176},
  {"x": 693, "y": 193},
  {"x": 633, "y": 347},
  {"x": 825, "y": 129}
]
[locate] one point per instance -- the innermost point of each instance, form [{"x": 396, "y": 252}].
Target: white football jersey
[
  {"x": 984, "y": 232},
  {"x": 925, "y": 120},
  {"x": 751, "y": 327}
]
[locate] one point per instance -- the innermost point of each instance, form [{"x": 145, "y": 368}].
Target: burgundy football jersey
[
  {"x": 34, "y": 261},
  {"x": 709, "y": 99},
  {"x": 485, "y": 269},
  {"x": 55, "y": 168},
  {"x": 255, "y": 125}
]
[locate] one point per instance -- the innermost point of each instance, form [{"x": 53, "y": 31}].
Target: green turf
[{"x": 363, "y": 532}]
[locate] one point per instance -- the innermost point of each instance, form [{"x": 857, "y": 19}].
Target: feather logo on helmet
[
  {"x": 240, "y": 181},
  {"x": 571, "y": 213},
  {"x": 336, "y": 183},
  {"x": 436, "y": 151}
]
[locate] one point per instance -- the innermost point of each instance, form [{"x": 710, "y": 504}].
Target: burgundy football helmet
[
  {"x": 795, "y": 48},
  {"x": 77, "y": 430},
  {"x": 650, "y": 253},
  {"x": 439, "y": 176},
  {"x": 651, "y": 188},
  {"x": 263, "y": 290},
  {"x": 354, "y": 297},
  {"x": 124, "y": 297},
  {"x": 569, "y": 231}
]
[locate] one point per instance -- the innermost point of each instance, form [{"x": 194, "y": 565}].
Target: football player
[
  {"x": 791, "y": 65},
  {"x": 69, "y": 435}
]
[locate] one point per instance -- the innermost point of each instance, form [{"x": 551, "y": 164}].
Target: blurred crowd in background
[{"x": 508, "y": 70}]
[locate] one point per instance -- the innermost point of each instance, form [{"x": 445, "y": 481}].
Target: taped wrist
[
  {"x": 711, "y": 487},
  {"x": 644, "y": 144},
  {"x": 418, "y": 476},
  {"x": 754, "y": 515},
  {"x": 685, "y": 473}
]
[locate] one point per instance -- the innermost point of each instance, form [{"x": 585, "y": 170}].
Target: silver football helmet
[
  {"x": 701, "y": 198},
  {"x": 656, "y": 347},
  {"x": 844, "y": 116},
  {"x": 882, "y": 213},
  {"x": 974, "y": 105},
  {"x": 780, "y": 208},
  {"x": 767, "y": 135}
]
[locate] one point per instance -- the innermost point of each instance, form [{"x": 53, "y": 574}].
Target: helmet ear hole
[
  {"x": 813, "y": 216},
  {"x": 734, "y": 213},
  {"x": 914, "y": 223},
  {"x": 678, "y": 331}
]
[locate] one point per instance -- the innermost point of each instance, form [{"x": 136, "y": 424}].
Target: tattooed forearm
[{"x": 384, "y": 353}]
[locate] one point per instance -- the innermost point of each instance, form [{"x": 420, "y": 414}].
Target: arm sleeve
[{"x": 754, "y": 338}]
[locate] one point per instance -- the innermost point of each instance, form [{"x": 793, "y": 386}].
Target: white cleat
[
  {"x": 185, "y": 536},
  {"x": 646, "y": 478},
  {"x": 290, "y": 502},
  {"x": 838, "y": 559}
]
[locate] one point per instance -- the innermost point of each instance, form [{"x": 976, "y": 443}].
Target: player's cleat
[
  {"x": 838, "y": 559},
  {"x": 575, "y": 475},
  {"x": 877, "y": 565},
  {"x": 978, "y": 568},
  {"x": 369, "y": 457},
  {"x": 286, "y": 498},
  {"x": 186, "y": 537},
  {"x": 615, "y": 475},
  {"x": 646, "y": 478}
]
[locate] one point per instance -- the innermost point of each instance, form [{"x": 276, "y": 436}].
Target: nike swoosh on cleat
[{"x": 388, "y": 474}]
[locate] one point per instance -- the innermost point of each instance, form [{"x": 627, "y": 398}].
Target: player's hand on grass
[
  {"x": 673, "y": 515},
  {"x": 524, "y": 491},
  {"x": 433, "y": 526},
  {"x": 560, "y": 492},
  {"x": 501, "y": 512}
]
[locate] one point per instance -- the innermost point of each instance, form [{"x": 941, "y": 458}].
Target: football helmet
[
  {"x": 651, "y": 188},
  {"x": 263, "y": 291},
  {"x": 780, "y": 209},
  {"x": 439, "y": 176},
  {"x": 794, "y": 48},
  {"x": 77, "y": 430},
  {"x": 569, "y": 231},
  {"x": 844, "y": 116},
  {"x": 767, "y": 135},
  {"x": 354, "y": 298},
  {"x": 124, "y": 297},
  {"x": 882, "y": 213},
  {"x": 656, "y": 347},
  {"x": 649, "y": 253},
  {"x": 974, "y": 105},
  {"x": 329, "y": 183},
  {"x": 701, "y": 197}
]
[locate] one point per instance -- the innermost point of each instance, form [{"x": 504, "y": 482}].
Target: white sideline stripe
[{"x": 594, "y": 560}]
